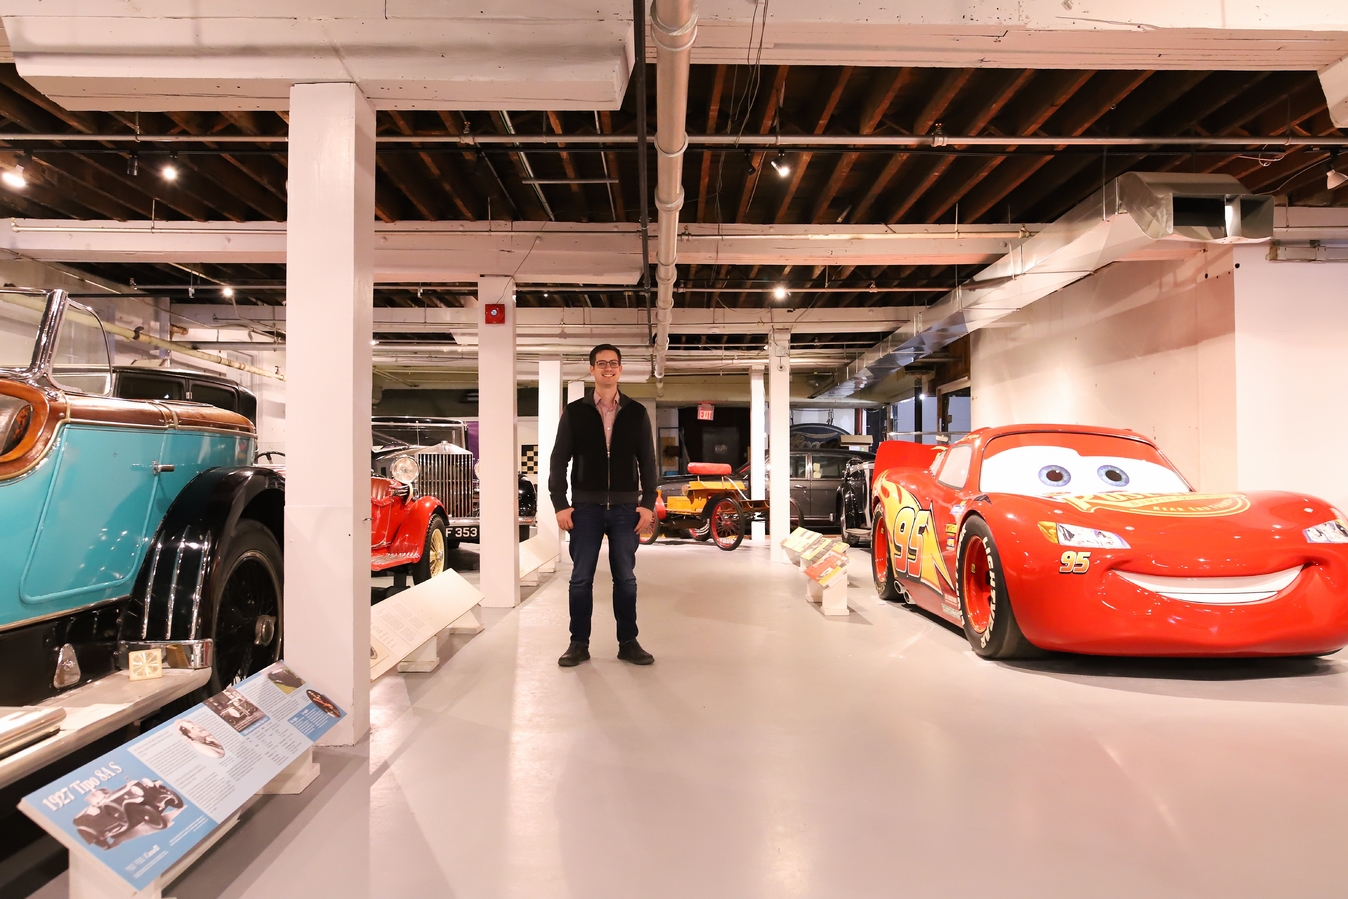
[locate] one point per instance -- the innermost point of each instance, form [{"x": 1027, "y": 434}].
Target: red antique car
[
  {"x": 1058, "y": 537},
  {"x": 407, "y": 532}
]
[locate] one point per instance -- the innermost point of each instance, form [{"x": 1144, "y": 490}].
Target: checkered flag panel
[{"x": 529, "y": 458}]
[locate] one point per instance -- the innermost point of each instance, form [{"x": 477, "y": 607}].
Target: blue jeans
[{"x": 591, "y": 523}]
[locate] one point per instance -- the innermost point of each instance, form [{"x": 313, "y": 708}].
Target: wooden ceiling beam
[
  {"x": 713, "y": 113},
  {"x": 802, "y": 161},
  {"x": 569, "y": 166},
  {"x": 981, "y": 119},
  {"x": 887, "y": 86},
  {"x": 1105, "y": 89},
  {"x": 764, "y": 126},
  {"x": 614, "y": 169}
]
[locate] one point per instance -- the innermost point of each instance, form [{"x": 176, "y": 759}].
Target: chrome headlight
[
  {"x": 1330, "y": 532},
  {"x": 1086, "y": 538},
  {"x": 404, "y": 469}
]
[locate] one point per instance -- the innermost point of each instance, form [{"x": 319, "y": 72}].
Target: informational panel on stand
[
  {"x": 140, "y": 808},
  {"x": 404, "y": 621}
]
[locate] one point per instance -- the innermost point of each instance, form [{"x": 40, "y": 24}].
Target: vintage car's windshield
[
  {"x": 19, "y": 323},
  {"x": 1075, "y": 465},
  {"x": 418, "y": 434}
]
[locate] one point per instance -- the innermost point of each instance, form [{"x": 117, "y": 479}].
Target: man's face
[{"x": 606, "y": 369}]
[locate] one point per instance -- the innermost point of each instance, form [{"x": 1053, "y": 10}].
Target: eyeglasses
[{"x": 607, "y": 364}]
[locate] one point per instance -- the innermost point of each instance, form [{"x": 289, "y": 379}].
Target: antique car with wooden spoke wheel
[
  {"x": 713, "y": 505},
  {"x": 128, "y": 523},
  {"x": 1088, "y": 540}
]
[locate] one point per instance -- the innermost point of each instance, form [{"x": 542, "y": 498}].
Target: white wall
[
  {"x": 1291, "y": 349},
  {"x": 1143, "y": 345}
]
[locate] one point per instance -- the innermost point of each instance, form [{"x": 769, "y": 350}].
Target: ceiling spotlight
[
  {"x": 780, "y": 166},
  {"x": 14, "y": 178},
  {"x": 133, "y": 164},
  {"x": 749, "y": 161},
  {"x": 779, "y": 292},
  {"x": 227, "y": 291},
  {"x": 169, "y": 172},
  {"x": 1333, "y": 181},
  {"x": 374, "y": 343}
]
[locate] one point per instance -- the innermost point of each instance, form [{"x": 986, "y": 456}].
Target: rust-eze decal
[
  {"x": 916, "y": 545},
  {"x": 1174, "y": 505}
]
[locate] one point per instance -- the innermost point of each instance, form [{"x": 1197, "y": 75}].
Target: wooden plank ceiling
[{"x": 241, "y": 182}]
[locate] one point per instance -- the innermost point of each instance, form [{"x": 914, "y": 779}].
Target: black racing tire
[
  {"x": 433, "y": 548},
  {"x": 647, "y": 537},
  {"x": 246, "y": 594},
  {"x": 989, "y": 619},
  {"x": 725, "y": 520},
  {"x": 882, "y": 561}
]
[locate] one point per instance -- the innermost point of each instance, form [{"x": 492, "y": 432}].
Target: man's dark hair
[{"x": 594, "y": 353}]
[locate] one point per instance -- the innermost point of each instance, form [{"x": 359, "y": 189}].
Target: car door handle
[{"x": 160, "y": 469}]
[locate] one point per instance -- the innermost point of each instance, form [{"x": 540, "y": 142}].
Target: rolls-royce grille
[{"x": 449, "y": 478}]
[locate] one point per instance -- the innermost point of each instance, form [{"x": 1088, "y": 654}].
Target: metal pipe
[
  {"x": 674, "y": 28},
  {"x": 524, "y": 164},
  {"x": 643, "y": 151},
  {"x": 754, "y": 141}
]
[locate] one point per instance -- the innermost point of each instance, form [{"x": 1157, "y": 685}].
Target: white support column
[
  {"x": 329, "y": 305},
  {"x": 497, "y": 447},
  {"x": 779, "y": 441},
  {"x": 757, "y": 454},
  {"x": 575, "y": 390},
  {"x": 549, "y": 415}
]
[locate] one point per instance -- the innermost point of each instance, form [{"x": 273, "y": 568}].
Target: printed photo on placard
[
  {"x": 125, "y": 813},
  {"x": 285, "y": 679},
  {"x": 235, "y": 709},
  {"x": 324, "y": 703},
  {"x": 200, "y": 739}
]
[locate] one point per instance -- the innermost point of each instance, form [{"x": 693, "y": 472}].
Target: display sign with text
[{"x": 145, "y": 805}]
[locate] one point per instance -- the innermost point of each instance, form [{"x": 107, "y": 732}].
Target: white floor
[{"x": 773, "y": 752}]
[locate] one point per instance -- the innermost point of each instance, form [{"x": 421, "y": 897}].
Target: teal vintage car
[{"x": 124, "y": 524}]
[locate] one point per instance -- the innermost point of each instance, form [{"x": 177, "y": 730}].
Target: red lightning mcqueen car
[{"x": 1057, "y": 537}]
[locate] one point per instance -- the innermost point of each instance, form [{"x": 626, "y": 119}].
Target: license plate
[{"x": 468, "y": 532}]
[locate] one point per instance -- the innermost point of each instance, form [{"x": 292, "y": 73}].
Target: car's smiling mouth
[{"x": 1223, "y": 591}]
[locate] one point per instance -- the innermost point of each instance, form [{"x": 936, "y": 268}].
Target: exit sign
[{"x": 705, "y": 412}]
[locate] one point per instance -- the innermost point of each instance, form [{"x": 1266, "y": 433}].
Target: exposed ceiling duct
[
  {"x": 1127, "y": 214},
  {"x": 674, "y": 28}
]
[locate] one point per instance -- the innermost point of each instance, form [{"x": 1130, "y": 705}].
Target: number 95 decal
[{"x": 1074, "y": 562}]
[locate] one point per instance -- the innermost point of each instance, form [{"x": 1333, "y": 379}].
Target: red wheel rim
[
  {"x": 977, "y": 584},
  {"x": 725, "y": 524},
  {"x": 880, "y": 552}
]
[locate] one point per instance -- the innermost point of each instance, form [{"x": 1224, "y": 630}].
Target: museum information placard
[{"x": 143, "y": 806}]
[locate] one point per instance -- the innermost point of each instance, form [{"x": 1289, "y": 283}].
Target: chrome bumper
[{"x": 182, "y": 654}]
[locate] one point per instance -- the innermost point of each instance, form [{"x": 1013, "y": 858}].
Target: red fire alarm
[{"x": 495, "y": 313}]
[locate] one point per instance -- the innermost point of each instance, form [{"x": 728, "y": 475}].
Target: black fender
[{"x": 171, "y": 597}]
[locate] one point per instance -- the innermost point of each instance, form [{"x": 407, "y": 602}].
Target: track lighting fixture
[
  {"x": 227, "y": 291},
  {"x": 749, "y": 161},
  {"x": 14, "y": 178},
  {"x": 170, "y": 170},
  {"x": 780, "y": 165},
  {"x": 779, "y": 292}
]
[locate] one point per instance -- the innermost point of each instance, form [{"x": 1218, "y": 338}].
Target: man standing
[{"x": 608, "y": 435}]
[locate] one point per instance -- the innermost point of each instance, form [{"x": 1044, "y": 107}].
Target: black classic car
[
  {"x": 141, "y": 382},
  {"x": 855, "y": 494},
  {"x": 819, "y": 479}
]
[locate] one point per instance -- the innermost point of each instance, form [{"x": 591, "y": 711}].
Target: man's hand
[
  {"x": 564, "y": 520},
  {"x": 644, "y": 518}
]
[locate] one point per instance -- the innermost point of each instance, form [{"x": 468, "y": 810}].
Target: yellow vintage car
[{"x": 714, "y": 505}]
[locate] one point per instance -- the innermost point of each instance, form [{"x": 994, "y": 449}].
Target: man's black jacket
[{"x": 622, "y": 473}]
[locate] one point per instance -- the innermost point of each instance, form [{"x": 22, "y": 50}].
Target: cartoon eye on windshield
[
  {"x": 1113, "y": 475},
  {"x": 1055, "y": 476}
]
